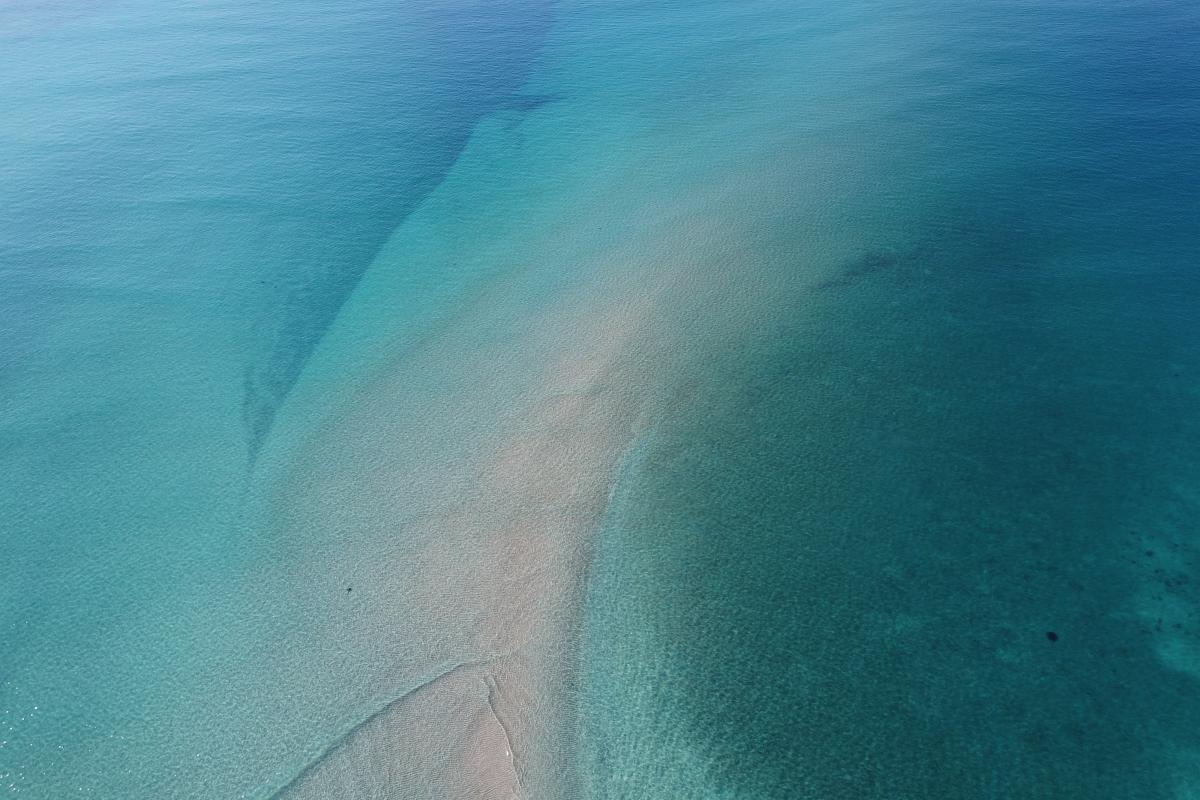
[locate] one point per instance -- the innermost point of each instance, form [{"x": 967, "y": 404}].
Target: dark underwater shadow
[{"x": 870, "y": 263}]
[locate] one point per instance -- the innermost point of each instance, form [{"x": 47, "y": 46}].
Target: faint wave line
[{"x": 386, "y": 708}]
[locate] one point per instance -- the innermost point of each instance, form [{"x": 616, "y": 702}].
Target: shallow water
[
  {"x": 190, "y": 194},
  {"x": 327, "y": 334},
  {"x": 927, "y": 528}
]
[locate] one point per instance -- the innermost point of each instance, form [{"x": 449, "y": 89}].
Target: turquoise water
[
  {"x": 189, "y": 196},
  {"x": 908, "y": 383},
  {"x": 834, "y": 568}
]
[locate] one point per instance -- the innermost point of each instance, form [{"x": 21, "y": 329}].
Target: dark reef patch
[{"x": 870, "y": 263}]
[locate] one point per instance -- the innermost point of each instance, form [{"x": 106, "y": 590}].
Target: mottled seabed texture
[{"x": 568, "y": 399}]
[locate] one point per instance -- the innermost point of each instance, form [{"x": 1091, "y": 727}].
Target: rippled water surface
[{"x": 905, "y": 293}]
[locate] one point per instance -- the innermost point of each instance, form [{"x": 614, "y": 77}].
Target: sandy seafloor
[{"x": 735, "y": 417}]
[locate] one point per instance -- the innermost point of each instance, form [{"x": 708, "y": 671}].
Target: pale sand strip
[
  {"x": 510, "y": 557},
  {"x": 473, "y": 473},
  {"x": 463, "y": 483}
]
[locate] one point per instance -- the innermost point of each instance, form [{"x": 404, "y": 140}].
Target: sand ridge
[{"x": 509, "y": 555}]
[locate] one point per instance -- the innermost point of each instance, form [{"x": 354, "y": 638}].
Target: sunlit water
[{"x": 923, "y": 392}]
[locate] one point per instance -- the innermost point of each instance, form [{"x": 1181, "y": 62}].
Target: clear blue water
[
  {"x": 928, "y": 528},
  {"x": 924, "y": 389},
  {"x": 189, "y": 195}
]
